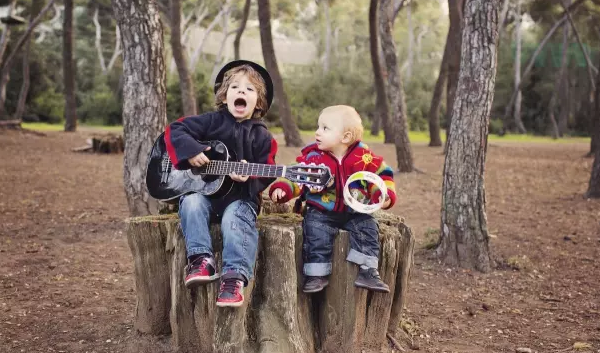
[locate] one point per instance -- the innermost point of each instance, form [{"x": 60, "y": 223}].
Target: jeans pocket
[{"x": 246, "y": 213}]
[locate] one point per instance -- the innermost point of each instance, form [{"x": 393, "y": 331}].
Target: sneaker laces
[
  {"x": 229, "y": 285},
  {"x": 200, "y": 266}
]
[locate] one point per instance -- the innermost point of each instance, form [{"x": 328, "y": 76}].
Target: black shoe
[
  {"x": 315, "y": 284},
  {"x": 369, "y": 279}
]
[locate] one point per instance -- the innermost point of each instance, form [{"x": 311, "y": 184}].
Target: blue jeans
[
  {"x": 238, "y": 224},
  {"x": 320, "y": 229}
]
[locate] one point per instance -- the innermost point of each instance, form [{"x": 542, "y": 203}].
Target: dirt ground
[{"x": 66, "y": 281}]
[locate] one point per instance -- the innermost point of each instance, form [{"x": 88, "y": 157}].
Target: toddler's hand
[
  {"x": 239, "y": 178},
  {"x": 387, "y": 201},
  {"x": 199, "y": 160},
  {"x": 277, "y": 195}
]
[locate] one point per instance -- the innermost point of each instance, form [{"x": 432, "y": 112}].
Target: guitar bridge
[{"x": 166, "y": 167}]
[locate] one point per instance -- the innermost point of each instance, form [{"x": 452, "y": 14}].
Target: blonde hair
[
  {"x": 257, "y": 81},
  {"x": 350, "y": 119}
]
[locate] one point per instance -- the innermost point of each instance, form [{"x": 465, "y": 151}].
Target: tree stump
[
  {"x": 108, "y": 143},
  {"x": 277, "y": 317}
]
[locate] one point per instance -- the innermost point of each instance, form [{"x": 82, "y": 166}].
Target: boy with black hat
[{"x": 243, "y": 94}]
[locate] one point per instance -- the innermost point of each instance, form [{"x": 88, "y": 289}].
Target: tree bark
[
  {"x": 518, "y": 122},
  {"x": 381, "y": 104},
  {"x": 69, "y": 69},
  {"x": 7, "y": 63},
  {"x": 290, "y": 129},
  {"x": 454, "y": 52},
  {"x": 595, "y": 141},
  {"x": 277, "y": 317},
  {"x": 464, "y": 237},
  {"x": 240, "y": 31},
  {"x": 36, "y": 6},
  {"x": 186, "y": 84},
  {"x": 594, "y": 184},
  {"x": 593, "y": 190},
  {"x": 435, "y": 138},
  {"x": 144, "y": 94},
  {"x": 395, "y": 90}
]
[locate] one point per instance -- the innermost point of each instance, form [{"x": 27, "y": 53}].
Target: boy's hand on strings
[
  {"x": 277, "y": 195},
  {"x": 199, "y": 160},
  {"x": 239, "y": 178}
]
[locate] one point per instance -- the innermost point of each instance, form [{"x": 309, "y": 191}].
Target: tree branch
[
  {"x": 6, "y": 64},
  {"x": 98, "y": 41},
  {"x": 117, "y": 50},
  {"x": 557, "y": 24},
  {"x": 590, "y": 66},
  {"x": 397, "y": 9}
]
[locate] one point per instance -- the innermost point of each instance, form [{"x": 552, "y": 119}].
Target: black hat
[{"x": 261, "y": 70}]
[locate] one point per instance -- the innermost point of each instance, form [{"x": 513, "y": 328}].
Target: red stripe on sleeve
[
  {"x": 170, "y": 148},
  {"x": 273, "y": 152}
]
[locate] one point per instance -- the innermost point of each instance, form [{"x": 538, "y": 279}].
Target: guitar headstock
[{"x": 315, "y": 177}]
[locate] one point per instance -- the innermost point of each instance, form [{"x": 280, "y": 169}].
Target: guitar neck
[{"x": 215, "y": 167}]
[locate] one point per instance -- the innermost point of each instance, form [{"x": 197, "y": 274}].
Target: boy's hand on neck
[{"x": 239, "y": 178}]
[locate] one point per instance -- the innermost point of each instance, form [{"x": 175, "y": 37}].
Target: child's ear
[{"x": 347, "y": 138}]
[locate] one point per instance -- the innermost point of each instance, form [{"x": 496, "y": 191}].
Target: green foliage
[
  {"x": 101, "y": 106},
  {"x": 204, "y": 96},
  {"x": 50, "y": 104}
]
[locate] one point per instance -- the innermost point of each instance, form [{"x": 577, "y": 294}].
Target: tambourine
[{"x": 357, "y": 205}]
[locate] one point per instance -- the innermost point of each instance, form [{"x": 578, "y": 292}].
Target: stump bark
[{"x": 277, "y": 317}]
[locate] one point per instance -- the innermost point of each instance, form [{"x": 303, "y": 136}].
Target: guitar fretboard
[{"x": 252, "y": 169}]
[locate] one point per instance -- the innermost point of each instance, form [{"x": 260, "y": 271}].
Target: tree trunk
[
  {"x": 395, "y": 91},
  {"x": 411, "y": 41},
  {"x": 563, "y": 87},
  {"x": 328, "y": 35},
  {"x": 560, "y": 78},
  {"x": 186, "y": 84},
  {"x": 435, "y": 138},
  {"x": 6, "y": 32},
  {"x": 290, "y": 129},
  {"x": 502, "y": 19},
  {"x": 454, "y": 35},
  {"x": 240, "y": 31},
  {"x": 595, "y": 142},
  {"x": 518, "y": 122},
  {"x": 593, "y": 190},
  {"x": 36, "y": 7},
  {"x": 464, "y": 235},
  {"x": 69, "y": 68},
  {"x": 381, "y": 104},
  {"x": 144, "y": 95},
  {"x": 277, "y": 317}
]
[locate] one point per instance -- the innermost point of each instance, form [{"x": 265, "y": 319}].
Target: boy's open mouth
[{"x": 240, "y": 105}]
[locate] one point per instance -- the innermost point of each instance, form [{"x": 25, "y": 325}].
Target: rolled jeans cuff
[
  {"x": 317, "y": 269},
  {"x": 198, "y": 251},
  {"x": 362, "y": 259}
]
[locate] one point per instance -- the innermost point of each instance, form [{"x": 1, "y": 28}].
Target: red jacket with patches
[{"x": 357, "y": 158}]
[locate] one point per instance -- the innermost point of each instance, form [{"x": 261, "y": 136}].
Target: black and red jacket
[{"x": 249, "y": 139}]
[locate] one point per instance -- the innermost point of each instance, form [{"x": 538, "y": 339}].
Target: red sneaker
[
  {"x": 231, "y": 292},
  {"x": 201, "y": 271}
]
